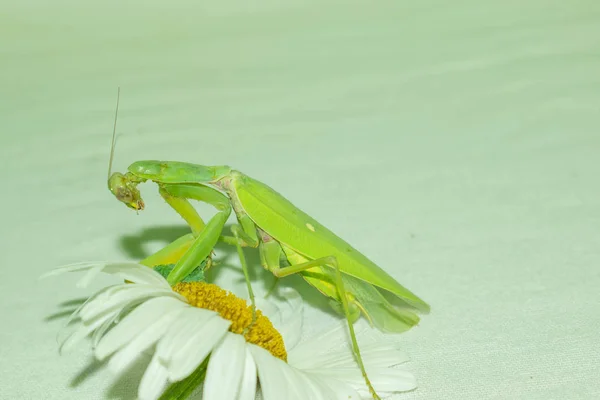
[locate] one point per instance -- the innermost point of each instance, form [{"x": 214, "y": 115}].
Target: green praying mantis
[{"x": 289, "y": 241}]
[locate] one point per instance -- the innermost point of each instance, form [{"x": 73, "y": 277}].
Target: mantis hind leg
[{"x": 271, "y": 254}]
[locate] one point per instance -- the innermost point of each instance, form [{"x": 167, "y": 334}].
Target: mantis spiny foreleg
[
  {"x": 205, "y": 236},
  {"x": 193, "y": 248},
  {"x": 175, "y": 250}
]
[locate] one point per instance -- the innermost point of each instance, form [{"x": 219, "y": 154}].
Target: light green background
[{"x": 454, "y": 143}]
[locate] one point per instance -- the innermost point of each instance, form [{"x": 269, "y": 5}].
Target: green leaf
[
  {"x": 197, "y": 275},
  {"x": 183, "y": 389}
]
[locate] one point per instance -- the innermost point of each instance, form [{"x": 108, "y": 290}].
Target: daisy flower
[{"x": 197, "y": 333}]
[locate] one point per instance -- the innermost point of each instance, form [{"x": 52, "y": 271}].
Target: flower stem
[{"x": 183, "y": 389}]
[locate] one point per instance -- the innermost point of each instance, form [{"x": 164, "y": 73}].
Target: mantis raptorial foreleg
[
  {"x": 175, "y": 250},
  {"x": 176, "y": 195},
  {"x": 183, "y": 207},
  {"x": 203, "y": 236},
  {"x": 271, "y": 254},
  {"x": 208, "y": 235},
  {"x": 200, "y": 249}
]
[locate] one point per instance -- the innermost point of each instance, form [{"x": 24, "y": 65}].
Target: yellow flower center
[{"x": 211, "y": 297}]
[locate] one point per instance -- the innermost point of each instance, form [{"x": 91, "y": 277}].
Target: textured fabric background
[{"x": 454, "y": 143}]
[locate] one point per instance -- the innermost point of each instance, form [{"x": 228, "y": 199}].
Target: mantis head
[
  {"x": 123, "y": 187},
  {"x": 125, "y": 190}
]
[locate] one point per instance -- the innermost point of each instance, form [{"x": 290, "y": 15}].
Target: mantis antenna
[{"x": 114, "y": 135}]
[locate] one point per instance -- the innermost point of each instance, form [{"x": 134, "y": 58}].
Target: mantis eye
[{"x": 124, "y": 195}]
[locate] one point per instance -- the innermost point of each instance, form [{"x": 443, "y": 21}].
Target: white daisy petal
[
  {"x": 104, "y": 308},
  {"x": 89, "y": 277},
  {"x": 329, "y": 356},
  {"x": 87, "y": 325},
  {"x": 382, "y": 379},
  {"x": 127, "y": 270},
  {"x": 269, "y": 310},
  {"x": 278, "y": 379},
  {"x": 383, "y": 355},
  {"x": 200, "y": 343},
  {"x": 320, "y": 387},
  {"x": 101, "y": 331},
  {"x": 380, "y": 351},
  {"x": 316, "y": 389},
  {"x": 342, "y": 390},
  {"x": 272, "y": 379},
  {"x": 100, "y": 311},
  {"x": 190, "y": 320},
  {"x": 374, "y": 356},
  {"x": 81, "y": 266},
  {"x": 290, "y": 327},
  {"x": 149, "y": 336},
  {"x": 83, "y": 331},
  {"x": 248, "y": 384},
  {"x": 126, "y": 294},
  {"x": 297, "y": 388},
  {"x": 141, "y": 322},
  {"x": 136, "y": 273},
  {"x": 385, "y": 380},
  {"x": 225, "y": 368},
  {"x": 154, "y": 380},
  {"x": 75, "y": 313},
  {"x": 318, "y": 348}
]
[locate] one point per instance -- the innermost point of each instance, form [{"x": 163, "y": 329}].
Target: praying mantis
[{"x": 289, "y": 241}]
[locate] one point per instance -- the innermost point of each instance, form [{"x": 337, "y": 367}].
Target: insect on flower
[{"x": 289, "y": 241}]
